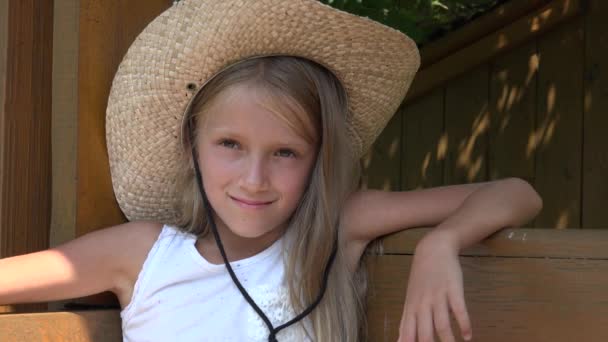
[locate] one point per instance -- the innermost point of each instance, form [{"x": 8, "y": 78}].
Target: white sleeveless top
[{"x": 180, "y": 296}]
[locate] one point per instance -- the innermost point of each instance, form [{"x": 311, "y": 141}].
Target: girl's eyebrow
[{"x": 299, "y": 143}]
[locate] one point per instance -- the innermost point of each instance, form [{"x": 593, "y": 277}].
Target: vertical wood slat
[
  {"x": 64, "y": 121},
  {"x": 595, "y": 139},
  {"x": 107, "y": 29},
  {"x": 466, "y": 125},
  {"x": 3, "y": 58},
  {"x": 511, "y": 147},
  {"x": 381, "y": 164},
  {"x": 559, "y": 126},
  {"x": 423, "y": 142},
  {"x": 25, "y": 183}
]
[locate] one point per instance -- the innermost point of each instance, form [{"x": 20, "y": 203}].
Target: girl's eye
[
  {"x": 286, "y": 153},
  {"x": 229, "y": 143}
]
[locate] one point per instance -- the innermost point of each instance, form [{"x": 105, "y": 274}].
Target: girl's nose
[{"x": 254, "y": 177}]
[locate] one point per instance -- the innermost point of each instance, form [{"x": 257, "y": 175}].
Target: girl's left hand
[{"x": 434, "y": 287}]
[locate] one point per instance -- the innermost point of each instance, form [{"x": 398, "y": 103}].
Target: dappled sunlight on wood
[
  {"x": 568, "y": 4},
  {"x": 442, "y": 147},
  {"x": 393, "y": 148},
  {"x": 563, "y": 220},
  {"x": 551, "y": 98},
  {"x": 514, "y": 82},
  {"x": 502, "y": 41},
  {"x": 425, "y": 165},
  {"x": 533, "y": 63},
  {"x": 532, "y": 145},
  {"x": 545, "y": 131},
  {"x": 466, "y": 160},
  {"x": 508, "y": 116}
]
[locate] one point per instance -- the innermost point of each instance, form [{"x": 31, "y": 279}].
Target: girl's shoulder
[
  {"x": 107, "y": 259},
  {"x": 134, "y": 240}
]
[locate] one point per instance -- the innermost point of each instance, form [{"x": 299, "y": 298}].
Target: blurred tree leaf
[{"x": 423, "y": 20}]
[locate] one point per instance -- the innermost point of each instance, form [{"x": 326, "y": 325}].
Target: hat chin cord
[{"x": 273, "y": 331}]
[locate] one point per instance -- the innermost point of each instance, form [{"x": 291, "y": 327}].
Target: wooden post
[{"x": 25, "y": 128}]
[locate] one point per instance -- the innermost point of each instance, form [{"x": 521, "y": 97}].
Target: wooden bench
[{"x": 520, "y": 285}]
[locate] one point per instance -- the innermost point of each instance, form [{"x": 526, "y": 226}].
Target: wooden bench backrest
[{"x": 520, "y": 285}]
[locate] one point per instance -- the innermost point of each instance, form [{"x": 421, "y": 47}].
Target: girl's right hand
[{"x": 434, "y": 288}]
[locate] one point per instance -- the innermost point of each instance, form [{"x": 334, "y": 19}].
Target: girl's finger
[
  {"x": 441, "y": 317},
  {"x": 407, "y": 328},
  {"x": 459, "y": 308},
  {"x": 424, "y": 320}
]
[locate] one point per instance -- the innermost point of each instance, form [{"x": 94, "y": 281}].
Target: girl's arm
[
  {"x": 99, "y": 261},
  {"x": 467, "y": 213},
  {"x": 463, "y": 215}
]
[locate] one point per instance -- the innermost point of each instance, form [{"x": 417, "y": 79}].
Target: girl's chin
[{"x": 251, "y": 235}]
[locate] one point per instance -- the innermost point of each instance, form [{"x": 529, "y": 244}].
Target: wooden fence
[{"x": 534, "y": 108}]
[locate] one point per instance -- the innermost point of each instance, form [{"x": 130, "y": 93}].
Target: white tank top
[{"x": 180, "y": 296}]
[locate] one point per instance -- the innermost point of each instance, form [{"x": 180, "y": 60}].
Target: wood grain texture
[
  {"x": 466, "y": 127},
  {"x": 3, "y": 56},
  {"x": 84, "y": 326},
  {"x": 25, "y": 181},
  {"x": 595, "y": 120},
  {"x": 380, "y": 169},
  {"x": 507, "y": 298},
  {"x": 488, "y": 47},
  {"x": 107, "y": 29},
  {"x": 424, "y": 144},
  {"x": 511, "y": 144},
  {"x": 559, "y": 126},
  {"x": 64, "y": 121},
  {"x": 520, "y": 242},
  {"x": 501, "y": 16}
]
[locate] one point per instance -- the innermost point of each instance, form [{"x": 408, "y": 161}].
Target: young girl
[{"x": 239, "y": 125}]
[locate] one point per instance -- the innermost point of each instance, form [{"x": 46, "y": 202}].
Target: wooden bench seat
[{"x": 520, "y": 285}]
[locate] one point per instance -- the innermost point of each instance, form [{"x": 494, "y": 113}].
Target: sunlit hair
[{"x": 313, "y": 102}]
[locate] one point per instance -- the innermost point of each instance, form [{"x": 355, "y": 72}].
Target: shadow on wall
[{"x": 519, "y": 115}]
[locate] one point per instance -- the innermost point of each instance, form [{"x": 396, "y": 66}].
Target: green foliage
[{"x": 423, "y": 20}]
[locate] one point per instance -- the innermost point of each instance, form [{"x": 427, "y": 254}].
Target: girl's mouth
[{"x": 250, "y": 203}]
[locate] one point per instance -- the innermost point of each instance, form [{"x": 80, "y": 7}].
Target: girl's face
[{"x": 254, "y": 165}]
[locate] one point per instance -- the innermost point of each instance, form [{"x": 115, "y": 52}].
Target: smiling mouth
[{"x": 250, "y": 204}]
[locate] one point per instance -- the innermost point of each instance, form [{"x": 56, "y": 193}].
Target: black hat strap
[{"x": 273, "y": 331}]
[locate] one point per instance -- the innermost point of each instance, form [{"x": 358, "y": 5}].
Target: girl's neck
[{"x": 235, "y": 246}]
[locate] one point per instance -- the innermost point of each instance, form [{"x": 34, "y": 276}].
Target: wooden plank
[
  {"x": 99, "y": 57},
  {"x": 84, "y": 326},
  {"x": 64, "y": 121},
  {"x": 380, "y": 166},
  {"x": 513, "y": 35},
  {"x": 595, "y": 153},
  {"x": 98, "y": 60},
  {"x": 466, "y": 125},
  {"x": 559, "y": 126},
  {"x": 501, "y": 16},
  {"x": 519, "y": 242},
  {"x": 3, "y": 63},
  {"x": 511, "y": 148},
  {"x": 424, "y": 143},
  {"x": 25, "y": 185},
  {"x": 507, "y": 298}
]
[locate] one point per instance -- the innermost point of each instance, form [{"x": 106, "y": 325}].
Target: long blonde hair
[{"x": 297, "y": 87}]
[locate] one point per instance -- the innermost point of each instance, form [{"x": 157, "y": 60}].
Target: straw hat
[{"x": 189, "y": 43}]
